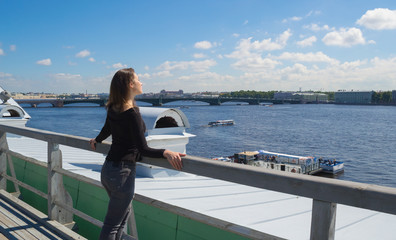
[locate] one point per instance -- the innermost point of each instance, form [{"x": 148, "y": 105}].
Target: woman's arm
[
  {"x": 104, "y": 133},
  {"x": 174, "y": 158}
]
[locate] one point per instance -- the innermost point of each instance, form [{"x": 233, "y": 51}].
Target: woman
[{"x": 127, "y": 128}]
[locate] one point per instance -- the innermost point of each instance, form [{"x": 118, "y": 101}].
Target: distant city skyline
[{"x": 224, "y": 45}]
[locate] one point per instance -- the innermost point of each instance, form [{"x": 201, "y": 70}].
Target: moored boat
[
  {"x": 331, "y": 166},
  {"x": 221, "y": 123},
  {"x": 285, "y": 162}
]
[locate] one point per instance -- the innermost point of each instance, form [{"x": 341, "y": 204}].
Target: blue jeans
[{"x": 118, "y": 178}]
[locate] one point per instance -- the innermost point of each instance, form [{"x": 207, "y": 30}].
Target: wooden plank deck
[{"x": 18, "y": 220}]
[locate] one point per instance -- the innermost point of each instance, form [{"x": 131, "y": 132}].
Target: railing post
[
  {"x": 3, "y": 160},
  {"x": 323, "y": 220},
  {"x": 56, "y": 190},
  {"x": 132, "y": 224}
]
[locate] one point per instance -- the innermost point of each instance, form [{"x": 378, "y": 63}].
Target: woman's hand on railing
[
  {"x": 174, "y": 158},
  {"x": 92, "y": 142}
]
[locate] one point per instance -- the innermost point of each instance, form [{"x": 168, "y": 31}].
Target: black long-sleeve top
[{"x": 128, "y": 141}]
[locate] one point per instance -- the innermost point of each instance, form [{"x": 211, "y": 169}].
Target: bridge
[
  {"x": 156, "y": 101},
  {"x": 60, "y": 102}
]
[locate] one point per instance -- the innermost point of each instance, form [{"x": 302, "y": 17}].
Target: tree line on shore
[
  {"x": 263, "y": 94},
  {"x": 383, "y": 97}
]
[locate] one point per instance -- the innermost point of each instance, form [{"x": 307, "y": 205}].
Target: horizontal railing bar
[
  {"x": 215, "y": 222},
  {"x": 59, "y": 138},
  {"x": 78, "y": 177},
  {"x": 368, "y": 196},
  {"x": 80, "y": 214},
  {"x": 25, "y": 158},
  {"x": 243, "y": 231},
  {"x": 24, "y": 185},
  {"x": 373, "y": 197}
]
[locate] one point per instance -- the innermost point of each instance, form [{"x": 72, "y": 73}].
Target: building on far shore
[
  {"x": 301, "y": 96},
  {"x": 353, "y": 97},
  {"x": 172, "y": 93}
]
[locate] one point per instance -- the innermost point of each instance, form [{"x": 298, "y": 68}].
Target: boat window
[
  {"x": 166, "y": 122},
  {"x": 11, "y": 113}
]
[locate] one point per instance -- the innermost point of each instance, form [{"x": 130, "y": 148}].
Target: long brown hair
[{"x": 119, "y": 88}]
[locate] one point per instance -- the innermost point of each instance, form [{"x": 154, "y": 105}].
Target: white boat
[
  {"x": 10, "y": 112},
  {"x": 331, "y": 166},
  {"x": 221, "y": 123},
  {"x": 279, "y": 161}
]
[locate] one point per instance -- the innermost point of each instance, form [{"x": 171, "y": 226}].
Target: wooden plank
[
  {"x": 2, "y": 237},
  {"x": 8, "y": 224},
  {"x": 53, "y": 226},
  {"x": 22, "y": 224}
]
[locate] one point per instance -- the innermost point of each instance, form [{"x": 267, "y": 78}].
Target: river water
[{"x": 364, "y": 137}]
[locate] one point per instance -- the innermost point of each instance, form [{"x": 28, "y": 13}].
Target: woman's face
[{"x": 136, "y": 85}]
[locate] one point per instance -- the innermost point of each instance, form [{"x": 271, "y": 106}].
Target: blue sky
[{"x": 223, "y": 45}]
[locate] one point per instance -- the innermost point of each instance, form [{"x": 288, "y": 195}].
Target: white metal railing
[{"x": 326, "y": 193}]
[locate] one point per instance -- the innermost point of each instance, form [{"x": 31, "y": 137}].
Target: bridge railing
[{"x": 326, "y": 193}]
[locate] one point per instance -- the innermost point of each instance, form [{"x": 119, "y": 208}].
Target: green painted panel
[
  {"x": 87, "y": 229},
  {"x": 19, "y": 167},
  {"x": 71, "y": 186},
  {"x": 84, "y": 227},
  {"x": 154, "y": 223},
  {"x": 194, "y": 230},
  {"x": 35, "y": 176},
  {"x": 92, "y": 200}
]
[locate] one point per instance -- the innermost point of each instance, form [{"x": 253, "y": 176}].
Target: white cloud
[
  {"x": 294, "y": 19},
  {"x": 199, "y": 55},
  {"x": 247, "y": 48},
  {"x": 12, "y": 48},
  {"x": 66, "y": 76},
  {"x": 162, "y": 74},
  {"x": 144, "y": 76},
  {"x": 45, "y": 62},
  {"x": 317, "y": 12},
  {"x": 344, "y": 37},
  {"x": 254, "y": 64},
  {"x": 378, "y": 19},
  {"x": 307, "y": 57},
  {"x": 203, "y": 45},
  {"x": 118, "y": 65},
  {"x": 83, "y": 54},
  {"x": 198, "y": 66},
  {"x": 209, "y": 81},
  {"x": 1, "y": 52},
  {"x": 307, "y": 42},
  {"x": 146, "y": 68},
  {"x": 91, "y": 59},
  {"x": 236, "y": 35},
  {"x": 315, "y": 27},
  {"x": 3, "y": 74}
]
